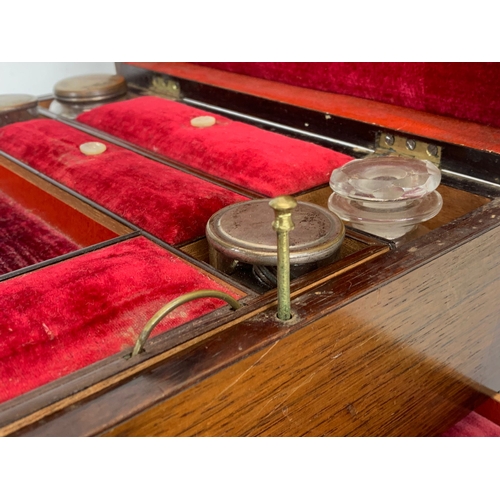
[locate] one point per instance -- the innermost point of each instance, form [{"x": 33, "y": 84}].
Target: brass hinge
[
  {"x": 388, "y": 143},
  {"x": 166, "y": 86}
]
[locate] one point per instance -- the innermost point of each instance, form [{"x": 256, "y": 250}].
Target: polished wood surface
[{"x": 398, "y": 361}]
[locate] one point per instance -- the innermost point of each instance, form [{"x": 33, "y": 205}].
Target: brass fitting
[
  {"x": 283, "y": 224},
  {"x": 173, "y": 304}
]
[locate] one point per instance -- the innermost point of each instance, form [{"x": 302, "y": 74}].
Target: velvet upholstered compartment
[
  {"x": 167, "y": 203},
  {"x": 265, "y": 162},
  {"x": 25, "y": 239},
  {"x": 64, "y": 317},
  {"x": 467, "y": 91}
]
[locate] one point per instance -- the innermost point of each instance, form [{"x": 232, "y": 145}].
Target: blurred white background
[{"x": 38, "y": 78}]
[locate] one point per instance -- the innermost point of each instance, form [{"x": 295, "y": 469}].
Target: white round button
[
  {"x": 92, "y": 148},
  {"x": 203, "y": 121}
]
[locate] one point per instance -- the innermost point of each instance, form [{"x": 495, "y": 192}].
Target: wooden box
[{"x": 391, "y": 340}]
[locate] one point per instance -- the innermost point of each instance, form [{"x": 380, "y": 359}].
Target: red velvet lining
[
  {"x": 266, "y": 162},
  {"x": 468, "y": 91},
  {"x": 169, "y": 204},
  {"x": 25, "y": 239},
  {"x": 63, "y": 317},
  {"x": 473, "y": 425}
]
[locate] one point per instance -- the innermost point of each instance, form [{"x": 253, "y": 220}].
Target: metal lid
[
  {"x": 244, "y": 232},
  {"x": 17, "y": 102},
  {"x": 90, "y": 88}
]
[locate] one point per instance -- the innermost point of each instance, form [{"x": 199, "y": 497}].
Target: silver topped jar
[
  {"x": 243, "y": 234},
  {"x": 17, "y": 108},
  {"x": 78, "y": 94}
]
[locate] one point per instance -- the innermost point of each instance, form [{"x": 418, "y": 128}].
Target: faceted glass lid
[
  {"x": 386, "y": 178},
  {"x": 90, "y": 88}
]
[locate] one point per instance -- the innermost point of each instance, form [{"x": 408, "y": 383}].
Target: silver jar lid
[
  {"x": 17, "y": 102},
  {"x": 90, "y": 88},
  {"x": 244, "y": 232}
]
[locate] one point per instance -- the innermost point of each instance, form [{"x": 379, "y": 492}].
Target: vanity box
[{"x": 388, "y": 336}]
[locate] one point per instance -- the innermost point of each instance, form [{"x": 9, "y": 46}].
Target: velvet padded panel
[
  {"x": 263, "y": 161},
  {"x": 25, "y": 239},
  {"x": 467, "y": 91},
  {"x": 64, "y": 317},
  {"x": 169, "y": 204}
]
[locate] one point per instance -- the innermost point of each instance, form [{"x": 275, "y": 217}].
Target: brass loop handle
[{"x": 173, "y": 304}]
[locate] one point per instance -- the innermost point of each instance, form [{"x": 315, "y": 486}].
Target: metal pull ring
[{"x": 173, "y": 304}]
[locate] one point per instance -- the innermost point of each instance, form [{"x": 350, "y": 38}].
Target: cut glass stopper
[{"x": 386, "y": 196}]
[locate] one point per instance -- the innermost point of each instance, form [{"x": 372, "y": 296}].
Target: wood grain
[{"x": 456, "y": 203}]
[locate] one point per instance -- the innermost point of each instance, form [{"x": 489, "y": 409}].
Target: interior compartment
[
  {"x": 66, "y": 316},
  {"x": 456, "y": 204},
  {"x": 35, "y": 226},
  {"x": 357, "y": 247}
]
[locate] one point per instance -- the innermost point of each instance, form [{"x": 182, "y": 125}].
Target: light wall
[{"x": 38, "y": 78}]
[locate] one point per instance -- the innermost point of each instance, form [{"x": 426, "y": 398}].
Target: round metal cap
[
  {"x": 90, "y": 88},
  {"x": 17, "y": 102},
  {"x": 244, "y": 232}
]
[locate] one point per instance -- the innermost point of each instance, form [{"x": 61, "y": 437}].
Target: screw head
[
  {"x": 432, "y": 150},
  {"x": 389, "y": 139},
  {"x": 411, "y": 144}
]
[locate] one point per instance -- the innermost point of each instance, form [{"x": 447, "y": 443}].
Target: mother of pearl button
[
  {"x": 92, "y": 148},
  {"x": 203, "y": 121}
]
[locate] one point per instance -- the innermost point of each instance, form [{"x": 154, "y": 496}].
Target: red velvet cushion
[
  {"x": 169, "y": 204},
  {"x": 25, "y": 239},
  {"x": 468, "y": 91},
  {"x": 66, "y": 316},
  {"x": 268, "y": 163}
]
